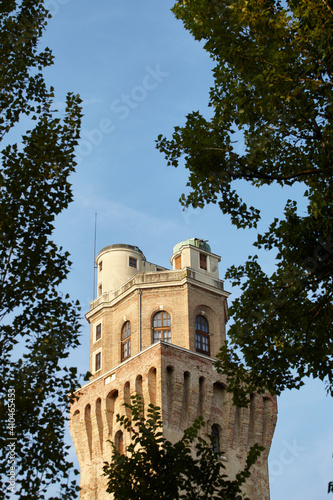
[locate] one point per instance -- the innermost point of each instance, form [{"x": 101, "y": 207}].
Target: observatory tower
[{"x": 157, "y": 332}]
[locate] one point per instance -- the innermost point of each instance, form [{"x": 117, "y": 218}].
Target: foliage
[
  {"x": 272, "y": 109},
  {"x": 38, "y": 325},
  {"x": 155, "y": 468}
]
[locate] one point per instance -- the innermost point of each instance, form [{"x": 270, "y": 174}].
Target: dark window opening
[
  {"x": 99, "y": 331},
  {"x": 132, "y": 262},
  {"x": 203, "y": 261},
  {"x": 98, "y": 361},
  {"x": 202, "y": 343},
  {"x": 215, "y": 433},
  {"x": 119, "y": 442}
]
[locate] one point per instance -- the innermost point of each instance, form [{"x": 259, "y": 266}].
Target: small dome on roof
[{"x": 195, "y": 242}]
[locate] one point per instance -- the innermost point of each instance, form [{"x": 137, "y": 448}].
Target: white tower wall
[{"x": 116, "y": 264}]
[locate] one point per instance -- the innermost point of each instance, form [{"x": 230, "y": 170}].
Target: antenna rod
[{"x": 95, "y": 267}]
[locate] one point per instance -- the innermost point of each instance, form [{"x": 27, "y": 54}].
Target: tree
[
  {"x": 155, "y": 468},
  {"x": 272, "y": 109},
  {"x": 39, "y": 325}
]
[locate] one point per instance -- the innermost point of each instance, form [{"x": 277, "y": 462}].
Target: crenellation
[
  {"x": 152, "y": 386},
  {"x": 127, "y": 399},
  {"x": 269, "y": 420},
  {"x": 112, "y": 407},
  {"x": 186, "y": 398},
  {"x": 256, "y": 420},
  {"x": 87, "y": 421},
  {"x": 170, "y": 389},
  {"x": 99, "y": 426}
]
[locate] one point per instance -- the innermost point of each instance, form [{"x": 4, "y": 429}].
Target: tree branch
[{"x": 258, "y": 175}]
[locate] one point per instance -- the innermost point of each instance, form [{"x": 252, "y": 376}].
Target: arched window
[
  {"x": 202, "y": 335},
  {"x": 126, "y": 340},
  {"x": 119, "y": 442},
  {"x": 215, "y": 433},
  {"x": 162, "y": 327}
]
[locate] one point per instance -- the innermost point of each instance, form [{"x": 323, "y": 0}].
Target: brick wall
[{"x": 185, "y": 385}]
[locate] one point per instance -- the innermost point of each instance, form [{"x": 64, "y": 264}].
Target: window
[
  {"x": 98, "y": 361},
  {"x": 98, "y": 334},
  {"x": 202, "y": 335},
  {"x": 215, "y": 433},
  {"x": 119, "y": 442},
  {"x": 203, "y": 261},
  {"x": 178, "y": 262},
  {"x": 162, "y": 327},
  {"x": 100, "y": 290},
  {"x": 132, "y": 262},
  {"x": 126, "y": 340},
  {"x": 100, "y": 265}
]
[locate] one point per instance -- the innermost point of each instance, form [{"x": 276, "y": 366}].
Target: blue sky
[{"x": 139, "y": 73}]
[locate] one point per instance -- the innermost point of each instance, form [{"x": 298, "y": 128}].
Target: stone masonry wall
[{"x": 184, "y": 384}]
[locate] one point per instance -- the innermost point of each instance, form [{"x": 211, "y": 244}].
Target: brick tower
[{"x": 156, "y": 332}]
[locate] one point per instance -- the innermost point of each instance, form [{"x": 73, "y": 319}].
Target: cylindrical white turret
[{"x": 116, "y": 264}]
